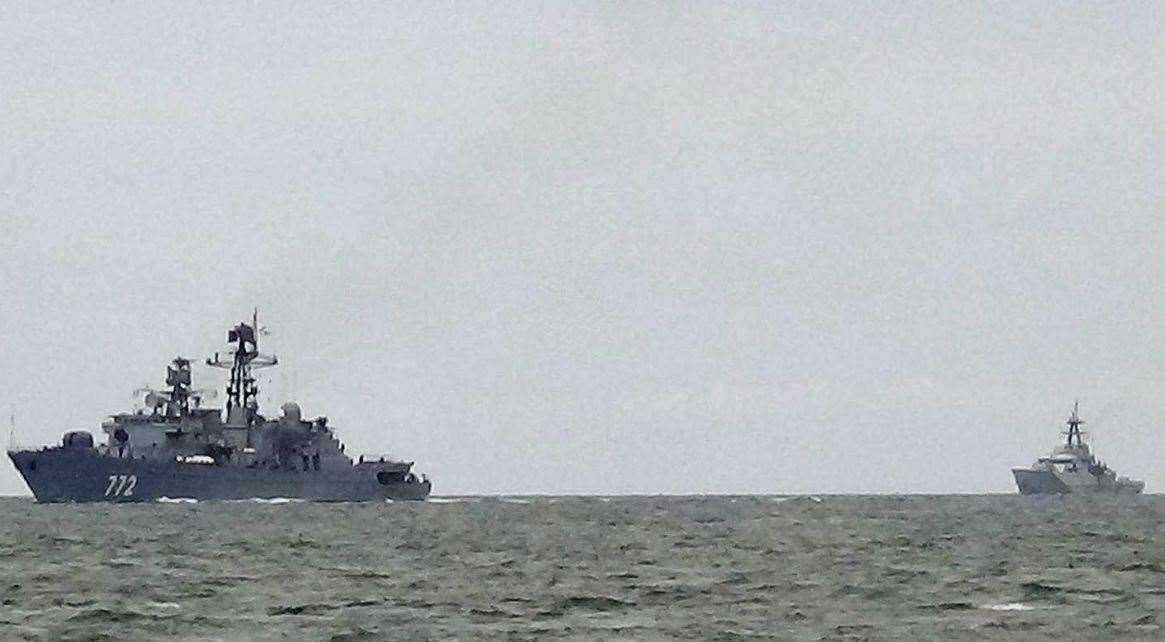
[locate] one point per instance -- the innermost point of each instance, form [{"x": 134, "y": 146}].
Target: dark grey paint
[{"x": 77, "y": 475}]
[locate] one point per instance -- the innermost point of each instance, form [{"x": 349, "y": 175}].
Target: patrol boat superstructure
[
  {"x": 1072, "y": 468},
  {"x": 175, "y": 448}
]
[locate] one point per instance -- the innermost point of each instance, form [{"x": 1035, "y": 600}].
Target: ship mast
[
  {"x": 242, "y": 391},
  {"x": 178, "y": 378},
  {"x": 1074, "y": 423}
]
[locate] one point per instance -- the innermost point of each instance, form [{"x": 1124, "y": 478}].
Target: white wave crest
[
  {"x": 1010, "y": 606},
  {"x": 801, "y": 498},
  {"x": 176, "y": 500}
]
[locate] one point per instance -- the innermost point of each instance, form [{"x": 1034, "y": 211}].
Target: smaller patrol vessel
[{"x": 1072, "y": 468}]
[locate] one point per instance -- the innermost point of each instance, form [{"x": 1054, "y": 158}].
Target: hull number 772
[{"x": 121, "y": 485}]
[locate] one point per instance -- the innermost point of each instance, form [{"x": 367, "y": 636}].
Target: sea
[{"x": 1001, "y": 567}]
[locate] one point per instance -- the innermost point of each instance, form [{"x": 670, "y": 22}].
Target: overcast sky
[{"x": 602, "y": 248}]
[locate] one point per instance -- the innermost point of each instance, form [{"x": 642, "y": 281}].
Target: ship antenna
[
  {"x": 1074, "y": 423},
  {"x": 242, "y": 391},
  {"x": 12, "y": 428}
]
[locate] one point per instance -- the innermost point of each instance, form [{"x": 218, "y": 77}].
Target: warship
[
  {"x": 173, "y": 448},
  {"x": 1072, "y": 468}
]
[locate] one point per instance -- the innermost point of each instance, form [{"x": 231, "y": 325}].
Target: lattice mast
[
  {"x": 1074, "y": 422},
  {"x": 242, "y": 392}
]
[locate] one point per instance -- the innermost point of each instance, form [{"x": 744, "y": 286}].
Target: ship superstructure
[
  {"x": 1072, "y": 468},
  {"x": 175, "y": 448}
]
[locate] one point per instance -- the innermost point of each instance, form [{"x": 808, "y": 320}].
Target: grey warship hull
[
  {"x": 175, "y": 448},
  {"x": 1038, "y": 482},
  {"x": 1072, "y": 468},
  {"x": 1032, "y": 481},
  {"x": 71, "y": 475}
]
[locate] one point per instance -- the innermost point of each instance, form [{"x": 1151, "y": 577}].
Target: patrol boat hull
[
  {"x": 1034, "y": 481},
  {"x": 60, "y": 474},
  {"x": 1038, "y": 482}
]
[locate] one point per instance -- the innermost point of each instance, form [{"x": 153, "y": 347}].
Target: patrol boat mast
[{"x": 1074, "y": 423}]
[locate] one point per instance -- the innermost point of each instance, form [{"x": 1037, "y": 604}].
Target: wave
[
  {"x": 1010, "y": 606},
  {"x": 801, "y": 498},
  {"x": 176, "y": 500}
]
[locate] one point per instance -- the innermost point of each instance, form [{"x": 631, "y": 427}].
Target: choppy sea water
[{"x": 588, "y": 568}]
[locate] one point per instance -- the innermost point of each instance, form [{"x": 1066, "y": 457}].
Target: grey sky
[{"x": 626, "y": 247}]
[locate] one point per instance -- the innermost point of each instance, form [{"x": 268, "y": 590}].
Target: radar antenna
[
  {"x": 1074, "y": 422},
  {"x": 242, "y": 391},
  {"x": 177, "y": 400}
]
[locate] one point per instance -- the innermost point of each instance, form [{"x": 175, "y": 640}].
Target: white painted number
[{"x": 122, "y": 485}]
